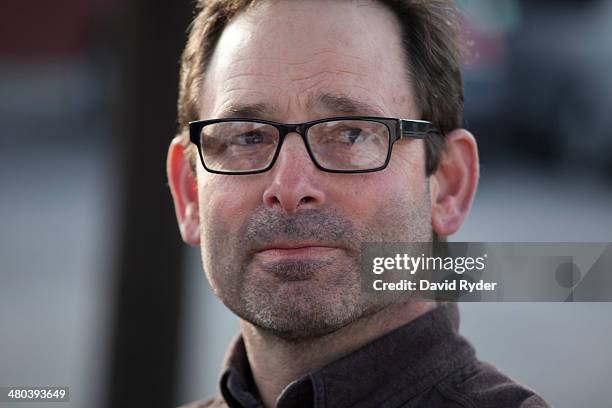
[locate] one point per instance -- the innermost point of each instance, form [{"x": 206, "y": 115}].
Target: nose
[{"x": 295, "y": 182}]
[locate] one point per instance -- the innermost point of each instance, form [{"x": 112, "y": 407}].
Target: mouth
[{"x": 287, "y": 251}]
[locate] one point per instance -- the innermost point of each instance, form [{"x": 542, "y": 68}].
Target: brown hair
[{"x": 429, "y": 37}]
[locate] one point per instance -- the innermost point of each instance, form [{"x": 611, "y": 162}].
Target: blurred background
[{"x": 96, "y": 290}]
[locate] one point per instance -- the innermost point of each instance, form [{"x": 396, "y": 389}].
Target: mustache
[{"x": 325, "y": 226}]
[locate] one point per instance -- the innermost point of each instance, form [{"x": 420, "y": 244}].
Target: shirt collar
[{"x": 399, "y": 364}]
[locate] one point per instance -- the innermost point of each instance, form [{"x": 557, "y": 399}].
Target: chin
[
  {"x": 294, "y": 315},
  {"x": 296, "y": 329}
]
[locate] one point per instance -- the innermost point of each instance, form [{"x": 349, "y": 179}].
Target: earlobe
[
  {"x": 454, "y": 183},
  {"x": 183, "y": 186}
]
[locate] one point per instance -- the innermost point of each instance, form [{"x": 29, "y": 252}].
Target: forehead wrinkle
[
  {"x": 319, "y": 64},
  {"x": 323, "y": 72},
  {"x": 319, "y": 57},
  {"x": 247, "y": 74},
  {"x": 317, "y": 53}
]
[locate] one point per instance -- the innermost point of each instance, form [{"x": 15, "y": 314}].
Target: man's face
[{"x": 281, "y": 249}]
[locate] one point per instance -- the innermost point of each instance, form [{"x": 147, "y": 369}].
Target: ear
[
  {"x": 184, "y": 189},
  {"x": 453, "y": 185}
]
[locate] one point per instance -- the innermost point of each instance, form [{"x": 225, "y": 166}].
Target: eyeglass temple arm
[{"x": 415, "y": 129}]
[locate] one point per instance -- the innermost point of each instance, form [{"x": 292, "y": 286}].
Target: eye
[
  {"x": 352, "y": 135},
  {"x": 250, "y": 138}
]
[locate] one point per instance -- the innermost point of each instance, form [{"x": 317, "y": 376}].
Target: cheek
[
  {"x": 226, "y": 200},
  {"x": 402, "y": 182},
  {"x": 407, "y": 170}
]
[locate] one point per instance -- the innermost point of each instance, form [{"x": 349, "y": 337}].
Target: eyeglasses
[{"x": 348, "y": 144}]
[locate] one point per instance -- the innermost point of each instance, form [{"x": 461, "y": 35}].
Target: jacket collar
[{"x": 396, "y": 366}]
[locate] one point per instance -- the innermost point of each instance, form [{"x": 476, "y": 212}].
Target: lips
[{"x": 293, "y": 251}]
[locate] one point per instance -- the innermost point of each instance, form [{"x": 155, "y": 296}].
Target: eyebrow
[
  {"x": 338, "y": 104},
  {"x": 249, "y": 110},
  {"x": 343, "y": 104}
]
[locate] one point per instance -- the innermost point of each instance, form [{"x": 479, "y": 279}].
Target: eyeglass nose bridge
[{"x": 300, "y": 129}]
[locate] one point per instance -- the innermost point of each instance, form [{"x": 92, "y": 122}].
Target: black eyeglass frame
[{"x": 398, "y": 129}]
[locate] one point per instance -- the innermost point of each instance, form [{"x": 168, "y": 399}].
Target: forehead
[{"x": 286, "y": 56}]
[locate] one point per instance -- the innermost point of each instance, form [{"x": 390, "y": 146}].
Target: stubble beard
[{"x": 311, "y": 298}]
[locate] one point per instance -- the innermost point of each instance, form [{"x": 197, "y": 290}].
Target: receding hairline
[{"x": 346, "y": 104}]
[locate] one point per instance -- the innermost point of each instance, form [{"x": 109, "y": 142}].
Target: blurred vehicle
[{"x": 538, "y": 79}]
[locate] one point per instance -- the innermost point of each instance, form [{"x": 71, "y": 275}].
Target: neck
[{"x": 276, "y": 362}]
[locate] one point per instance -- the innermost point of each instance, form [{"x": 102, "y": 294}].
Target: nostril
[{"x": 306, "y": 200}]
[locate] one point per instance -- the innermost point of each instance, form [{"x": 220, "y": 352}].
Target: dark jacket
[{"x": 424, "y": 363}]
